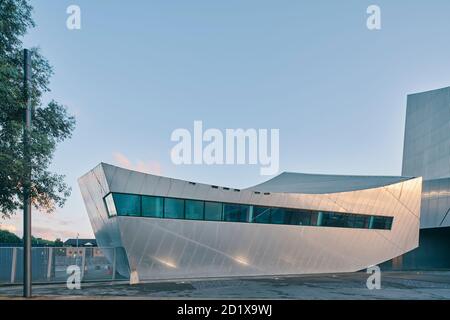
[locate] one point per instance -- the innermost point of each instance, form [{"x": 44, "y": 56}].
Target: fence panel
[
  {"x": 49, "y": 264},
  {"x": 6, "y": 264}
]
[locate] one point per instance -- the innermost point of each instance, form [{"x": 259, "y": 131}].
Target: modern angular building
[
  {"x": 427, "y": 153},
  {"x": 291, "y": 224}
]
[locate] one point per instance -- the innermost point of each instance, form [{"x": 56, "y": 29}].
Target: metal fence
[{"x": 49, "y": 264}]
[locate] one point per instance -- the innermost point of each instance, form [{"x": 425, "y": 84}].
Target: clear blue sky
[{"x": 137, "y": 70}]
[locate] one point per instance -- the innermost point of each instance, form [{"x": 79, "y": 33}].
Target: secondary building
[{"x": 427, "y": 153}]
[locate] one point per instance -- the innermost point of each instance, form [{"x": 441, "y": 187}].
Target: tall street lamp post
[{"x": 27, "y": 276}]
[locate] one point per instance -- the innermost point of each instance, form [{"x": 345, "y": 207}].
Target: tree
[
  {"x": 39, "y": 242},
  {"x": 9, "y": 237},
  {"x": 51, "y": 123}
]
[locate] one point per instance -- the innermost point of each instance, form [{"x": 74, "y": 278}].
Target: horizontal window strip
[{"x": 131, "y": 205}]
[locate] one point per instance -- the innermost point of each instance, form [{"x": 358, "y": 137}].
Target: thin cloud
[
  {"x": 51, "y": 233},
  {"x": 8, "y": 227},
  {"x": 152, "y": 167},
  {"x": 48, "y": 228}
]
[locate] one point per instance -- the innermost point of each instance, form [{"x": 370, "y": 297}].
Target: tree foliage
[
  {"x": 9, "y": 237},
  {"x": 51, "y": 123}
]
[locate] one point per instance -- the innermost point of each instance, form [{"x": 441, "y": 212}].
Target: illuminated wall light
[
  {"x": 241, "y": 260},
  {"x": 167, "y": 263}
]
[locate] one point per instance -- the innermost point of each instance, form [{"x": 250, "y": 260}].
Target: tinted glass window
[
  {"x": 360, "y": 222},
  {"x": 245, "y": 213},
  {"x": 173, "y": 208},
  {"x": 320, "y": 218},
  {"x": 261, "y": 214},
  {"x": 235, "y": 212},
  {"x": 213, "y": 211},
  {"x": 127, "y": 204},
  {"x": 152, "y": 207},
  {"x": 300, "y": 217},
  {"x": 194, "y": 210},
  {"x": 381, "y": 223},
  {"x": 158, "y": 207},
  {"x": 110, "y": 205},
  {"x": 331, "y": 219},
  {"x": 314, "y": 218},
  {"x": 389, "y": 221},
  {"x": 278, "y": 216}
]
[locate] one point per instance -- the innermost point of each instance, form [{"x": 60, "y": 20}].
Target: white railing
[{"x": 49, "y": 264}]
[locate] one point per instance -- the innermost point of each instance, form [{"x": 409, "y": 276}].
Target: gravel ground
[{"x": 394, "y": 285}]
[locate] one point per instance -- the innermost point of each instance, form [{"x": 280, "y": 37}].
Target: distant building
[
  {"x": 78, "y": 247},
  {"x": 80, "y": 243}
]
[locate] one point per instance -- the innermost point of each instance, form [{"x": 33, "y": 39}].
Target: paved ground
[{"x": 395, "y": 285}]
